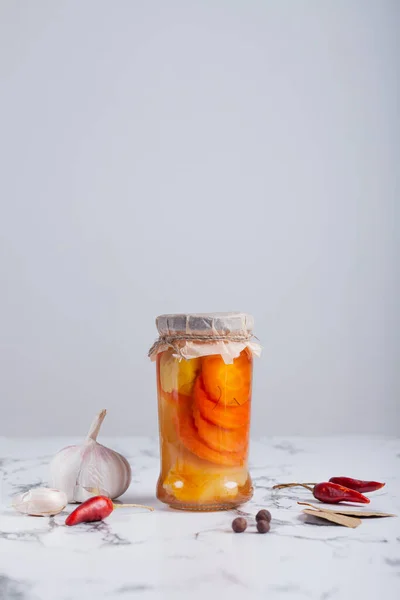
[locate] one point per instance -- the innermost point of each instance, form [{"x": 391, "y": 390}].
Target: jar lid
[{"x": 205, "y": 324}]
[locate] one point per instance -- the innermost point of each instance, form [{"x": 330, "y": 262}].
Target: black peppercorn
[
  {"x": 239, "y": 524},
  {"x": 263, "y": 515}
]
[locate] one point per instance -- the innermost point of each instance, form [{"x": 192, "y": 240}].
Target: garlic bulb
[
  {"x": 90, "y": 469},
  {"x": 40, "y": 502}
]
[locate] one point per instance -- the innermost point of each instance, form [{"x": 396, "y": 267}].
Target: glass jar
[{"x": 204, "y": 381}]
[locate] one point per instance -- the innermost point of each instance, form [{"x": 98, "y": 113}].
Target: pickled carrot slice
[
  {"x": 228, "y": 417},
  {"x": 228, "y": 384},
  {"x": 189, "y": 436},
  {"x": 225, "y": 440}
]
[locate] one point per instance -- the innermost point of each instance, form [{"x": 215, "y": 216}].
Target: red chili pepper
[
  {"x": 96, "y": 508},
  {"x": 357, "y": 484},
  {"x": 332, "y": 493}
]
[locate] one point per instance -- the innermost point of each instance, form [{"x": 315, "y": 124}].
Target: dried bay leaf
[
  {"x": 334, "y": 517},
  {"x": 350, "y": 513},
  {"x": 365, "y": 514}
]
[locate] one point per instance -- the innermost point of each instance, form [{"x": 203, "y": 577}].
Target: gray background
[{"x": 198, "y": 156}]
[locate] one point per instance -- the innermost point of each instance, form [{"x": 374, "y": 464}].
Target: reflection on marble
[{"x": 178, "y": 555}]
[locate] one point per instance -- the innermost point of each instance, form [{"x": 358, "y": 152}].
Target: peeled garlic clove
[
  {"x": 78, "y": 470},
  {"x": 40, "y": 502}
]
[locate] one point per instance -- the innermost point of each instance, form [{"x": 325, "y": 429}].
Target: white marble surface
[{"x": 176, "y": 555}]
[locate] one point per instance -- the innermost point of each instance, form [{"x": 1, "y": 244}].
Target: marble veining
[{"x": 178, "y": 555}]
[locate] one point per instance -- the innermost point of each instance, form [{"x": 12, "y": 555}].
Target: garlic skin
[
  {"x": 40, "y": 502},
  {"x": 90, "y": 469}
]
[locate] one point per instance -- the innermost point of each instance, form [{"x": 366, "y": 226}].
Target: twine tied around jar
[
  {"x": 169, "y": 341},
  {"x": 205, "y": 334}
]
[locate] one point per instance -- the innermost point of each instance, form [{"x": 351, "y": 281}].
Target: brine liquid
[{"x": 204, "y": 421}]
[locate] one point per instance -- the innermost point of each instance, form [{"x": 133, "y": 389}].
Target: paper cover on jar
[{"x": 194, "y": 335}]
